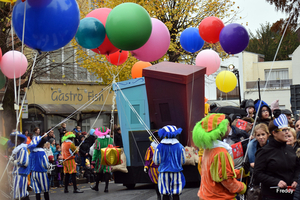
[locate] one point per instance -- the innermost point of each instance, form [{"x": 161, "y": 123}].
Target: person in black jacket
[
  {"x": 83, "y": 151},
  {"x": 62, "y": 131},
  {"x": 118, "y": 138},
  {"x": 276, "y": 165}
]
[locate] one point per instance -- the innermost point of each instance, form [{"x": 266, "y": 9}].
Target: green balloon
[
  {"x": 2, "y": 80},
  {"x": 128, "y": 26}
]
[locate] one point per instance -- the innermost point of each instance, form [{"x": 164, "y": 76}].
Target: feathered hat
[
  {"x": 281, "y": 121},
  {"x": 209, "y": 129},
  {"x": 169, "y": 131},
  {"x": 67, "y": 136},
  {"x": 19, "y": 135},
  {"x": 102, "y": 131}
]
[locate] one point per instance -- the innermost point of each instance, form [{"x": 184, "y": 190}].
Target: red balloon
[
  {"x": 106, "y": 47},
  {"x": 117, "y": 58},
  {"x": 210, "y": 28}
]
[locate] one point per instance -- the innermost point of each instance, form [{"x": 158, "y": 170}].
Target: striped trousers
[
  {"x": 20, "y": 186},
  {"x": 170, "y": 183},
  {"x": 39, "y": 181}
]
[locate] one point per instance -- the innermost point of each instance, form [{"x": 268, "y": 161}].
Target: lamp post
[{"x": 237, "y": 74}]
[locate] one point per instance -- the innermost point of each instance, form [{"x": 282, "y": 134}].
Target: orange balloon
[{"x": 137, "y": 69}]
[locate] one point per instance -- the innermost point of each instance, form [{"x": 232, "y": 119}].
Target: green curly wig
[
  {"x": 68, "y": 135},
  {"x": 203, "y": 138}
]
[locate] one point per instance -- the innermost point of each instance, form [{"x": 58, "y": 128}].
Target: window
[
  {"x": 60, "y": 65},
  {"x": 134, "y": 119},
  {"x": 277, "y": 74}
]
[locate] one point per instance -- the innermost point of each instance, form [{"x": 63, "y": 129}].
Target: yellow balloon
[{"x": 226, "y": 81}]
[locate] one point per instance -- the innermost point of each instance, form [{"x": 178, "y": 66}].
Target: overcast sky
[{"x": 257, "y": 12}]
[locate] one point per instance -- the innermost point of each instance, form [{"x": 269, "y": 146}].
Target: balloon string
[
  {"x": 122, "y": 67},
  {"x": 19, "y": 88},
  {"x": 29, "y": 80},
  {"x": 109, "y": 60},
  {"x": 120, "y": 52}
]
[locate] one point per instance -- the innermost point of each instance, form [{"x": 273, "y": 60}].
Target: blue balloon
[
  {"x": 49, "y": 25},
  {"x": 91, "y": 33},
  {"x": 234, "y": 38},
  {"x": 190, "y": 40}
]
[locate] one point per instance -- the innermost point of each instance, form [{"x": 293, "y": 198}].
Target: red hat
[
  {"x": 50, "y": 158},
  {"x": 84, "y": 133}
]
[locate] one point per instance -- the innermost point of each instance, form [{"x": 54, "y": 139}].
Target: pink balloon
[
  {"x": 13, "y": 64},
  {"x": 157, "y": 45},
  {"x": 210, "y": 59}
]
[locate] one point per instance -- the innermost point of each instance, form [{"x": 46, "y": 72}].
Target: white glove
[
  {"x": 146, "y": 170},
  {"x": 16, "y": 163}
]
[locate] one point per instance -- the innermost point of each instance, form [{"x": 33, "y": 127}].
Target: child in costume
[
  {"x": 60, "y": 173},
  {"x": 20, "y": 170},
  {"x": 218, "y": 176},
  {"x": 150, "y": 167},
  {"x": 39, "y": 165},
  {"x": 89, "y": 172},
  {"x": 68, "y": 150},
  {"x": 52, "y": 171},
  {"x": 170, "y": 156},
  {"x": 102, "y": 141}
]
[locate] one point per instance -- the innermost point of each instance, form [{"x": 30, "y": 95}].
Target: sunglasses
[{"x": 283, "y": 129}]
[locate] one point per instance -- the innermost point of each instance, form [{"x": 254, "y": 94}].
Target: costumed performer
[
  {"x": 20, "y": 171},
  {"x": 39, "y": 164},
  {"x": 68, "y": 149},
  {"x": 170, "y": 156},
  {"x": 102, "y": 171},
  {"x": 150, "y": 167},
  {"x": 218, "y": 176}
]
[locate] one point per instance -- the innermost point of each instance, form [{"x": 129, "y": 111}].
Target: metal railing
[{"x": 272, "y": 84}]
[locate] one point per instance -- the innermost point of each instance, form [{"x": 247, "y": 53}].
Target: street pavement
[{"x": 116, "y": 191}]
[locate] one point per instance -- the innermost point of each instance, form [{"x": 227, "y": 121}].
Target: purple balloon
[{"x": 234, "y": 38}]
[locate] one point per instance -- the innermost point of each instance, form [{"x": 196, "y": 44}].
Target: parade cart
[{"x": 168, "y": 94}]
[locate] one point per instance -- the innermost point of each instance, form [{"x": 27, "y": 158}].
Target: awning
[
  {"x": 66, "y": 109},
  {"x": 93, "y": 108}
]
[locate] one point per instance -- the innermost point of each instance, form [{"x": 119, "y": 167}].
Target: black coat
[
  {"x": 62, "y": 132},
  {"x": 275, "y": 162},
  {"x": 118, "y": 140},
  {"x": 90, "y": 140},
  {"x": 84, "y": 148}
]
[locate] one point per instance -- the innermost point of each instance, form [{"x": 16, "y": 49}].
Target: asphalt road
[{"x": 116, "y": 191}]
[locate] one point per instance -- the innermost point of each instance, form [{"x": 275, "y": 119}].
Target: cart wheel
[{"x": 130, "y": 186}]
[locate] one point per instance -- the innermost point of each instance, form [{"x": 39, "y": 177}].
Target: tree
[
  {"x": 290, "y": 7},
  {"x": 177, "y": 16},
  {"x": 268, "y": 37}
]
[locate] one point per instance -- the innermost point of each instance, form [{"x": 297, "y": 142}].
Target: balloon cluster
[
  {"x": 127, "y": 27},
  {"x": 233, "y": 38},
  {"x": 51, "y": 24}
]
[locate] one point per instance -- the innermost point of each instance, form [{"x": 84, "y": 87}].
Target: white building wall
[
  {"x": 270, "y": 95},
  {"x": 296, "y": 66}
]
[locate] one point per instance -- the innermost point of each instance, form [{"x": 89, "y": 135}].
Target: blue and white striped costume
[
  {"x": 170, "y": 155},
  {"x": 20, "y": 171},
  {"x": 38, "y": 166}
]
